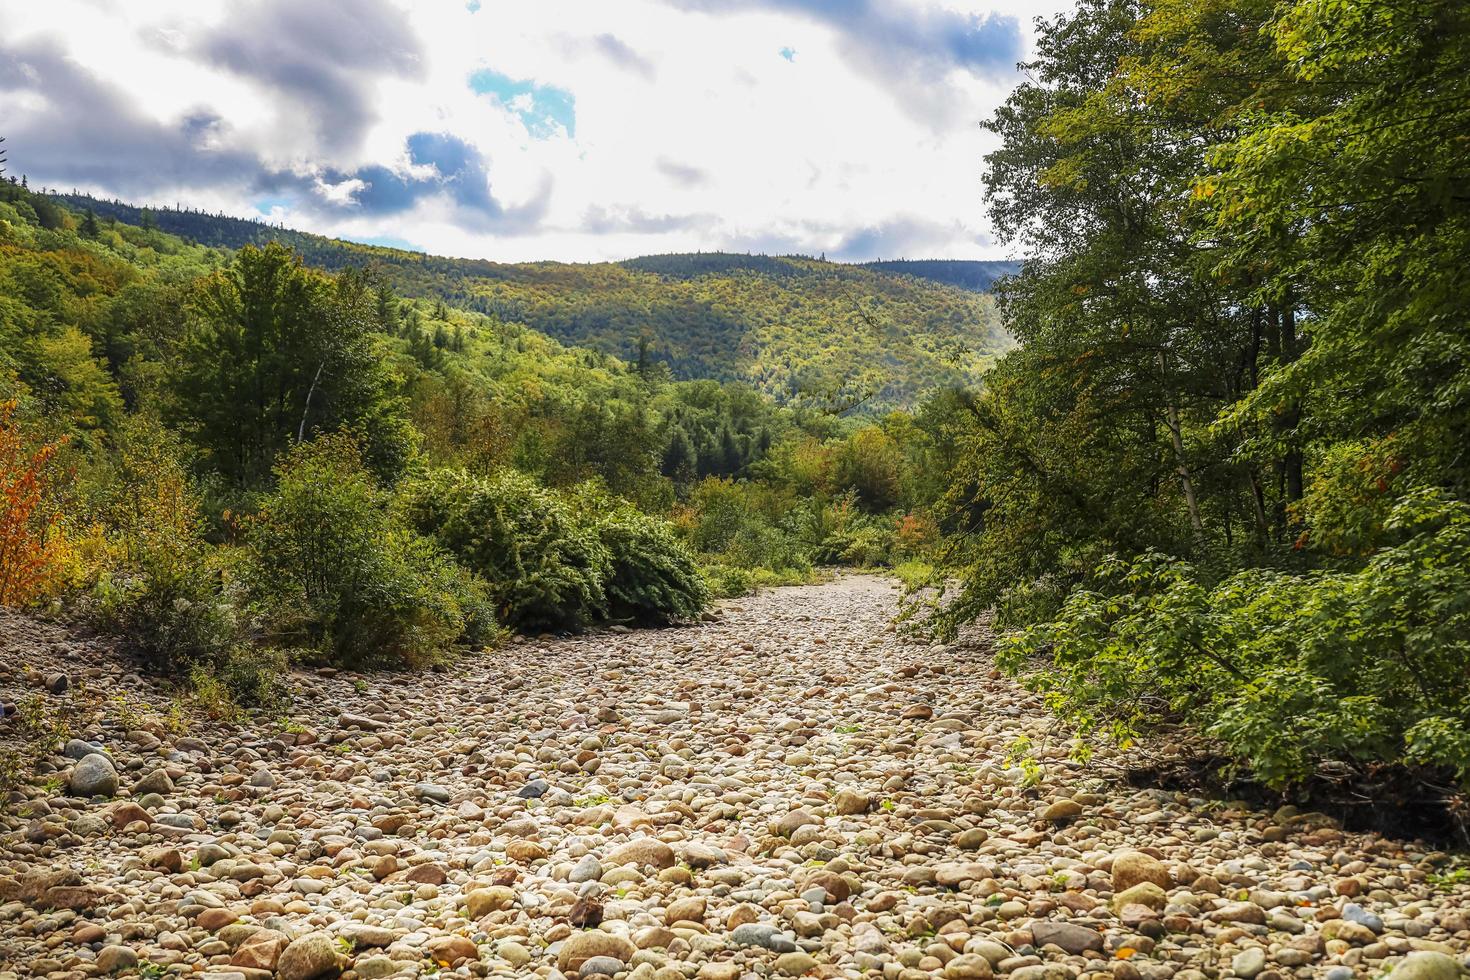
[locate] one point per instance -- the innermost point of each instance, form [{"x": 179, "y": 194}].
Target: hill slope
[
  {"x": 800, "y": 329},
  {"x": 978, "y": 276}
]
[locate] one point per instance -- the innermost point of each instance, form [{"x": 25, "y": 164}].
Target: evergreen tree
[{"x": 679, "y": 463}]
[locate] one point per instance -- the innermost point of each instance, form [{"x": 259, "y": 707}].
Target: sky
[{"x": 514, "y": 130}]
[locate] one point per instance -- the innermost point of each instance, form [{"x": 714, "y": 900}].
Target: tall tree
[{"x": 274, "y": 351}]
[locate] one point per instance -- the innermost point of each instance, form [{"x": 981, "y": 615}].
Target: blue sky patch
[
  {"x": 542, "y": 109},
  {"x": 268, "y": 204},
  {"x": 385, "y": 241},
  {"x": 788, "y": 52}
]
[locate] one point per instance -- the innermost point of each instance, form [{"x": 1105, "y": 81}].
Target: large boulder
[
  {"x": 260, "y": 951},
  {"x": 94, "y": 775},
  {"x": 1134, "y": 868},
  {"x": 312, "y": 955},
  {"x": 1068, "y": 936},
  {"x": 583, "y": 946},
  {"x": 1426, "y": 965},
  {"x": 642, "y": 851}
]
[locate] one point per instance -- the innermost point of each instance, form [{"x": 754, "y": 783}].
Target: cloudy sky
[{"x": 529, "y": 129}]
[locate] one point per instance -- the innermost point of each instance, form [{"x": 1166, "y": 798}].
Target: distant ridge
[
  {"x": 977, "y": 275},
  {"x": 880, "y": 334},
  {"x": 226, "y": 231}
]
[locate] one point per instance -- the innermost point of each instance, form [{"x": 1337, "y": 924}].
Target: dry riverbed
[{"x": 793, "y": 789}]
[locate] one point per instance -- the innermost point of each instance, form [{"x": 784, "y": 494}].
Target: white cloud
[{"x": 692, "y": 131}]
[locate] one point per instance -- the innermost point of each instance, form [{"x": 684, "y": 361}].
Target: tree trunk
[
  {"x": 306, "y": 409},
  {"x": 1186, "y": 481}
]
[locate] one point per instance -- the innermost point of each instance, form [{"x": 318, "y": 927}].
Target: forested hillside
[
  {"x": 1222, "y": 483},
  {"x": 803, "y": 331},
  {"x": 234, "y": 459},
  {"x": 977, "y": 275}
]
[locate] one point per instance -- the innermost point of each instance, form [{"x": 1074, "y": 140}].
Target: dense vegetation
[
  {"x": 1219, "y": 487},
  {"x": 803, "y": 331},
  {"x": 234, "y": 460},
  {"x": 1223, "y": 480}
]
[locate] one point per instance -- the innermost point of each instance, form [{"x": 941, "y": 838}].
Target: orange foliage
[
  {"x": 29, "y": 551},
  {"x": 914, "y": 532}
]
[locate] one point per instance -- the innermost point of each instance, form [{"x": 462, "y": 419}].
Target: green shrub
[
  {"x": 173, "y": 612},
  {"x": 651, "y": 576},
  {"x": 1285, "y": 671},
  {"x": 154, "y": 579},
  {"x": 244, "y": 676},
  {"x": 838, "y": 532},
  {"x": 914, "y": 574},
  {"x": 544, "y": 568},
  {"x": 743, "y": 524},
  {"x": 335, "y": 571},
  {"x": 726, "y": 582}
]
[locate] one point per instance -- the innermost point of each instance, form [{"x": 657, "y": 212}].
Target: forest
[
  {"x": 805, "y": 331},
  {"x": 1220, "y": 489},
  {"x": 237, "y": 460}
]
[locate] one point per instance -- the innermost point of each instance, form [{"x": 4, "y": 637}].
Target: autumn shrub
[
  {"x": 1284, "y": 671},
  {"x": 544, "y": 567},
  {"x": 334, "y": 571},
  {"x": 155, "y": 581},
  {"x": 30, "y": 540}
]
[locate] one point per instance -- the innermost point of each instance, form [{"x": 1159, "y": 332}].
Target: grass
[
  {"x": 914, "y": 574},
  {"x": 35, "y": 730}
]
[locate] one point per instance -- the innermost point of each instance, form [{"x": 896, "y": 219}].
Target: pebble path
[{"x": 790, "y": 789}]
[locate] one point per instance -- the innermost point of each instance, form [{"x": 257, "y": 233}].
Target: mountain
[
  {"x": 967, "y": 274},
  {"x": 803, "y": 330}
]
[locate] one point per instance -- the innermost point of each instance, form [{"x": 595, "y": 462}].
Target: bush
[
  {"x": 243, "y": 676},
  {"x": 651, "y": 576},
  {"x": 544, "y": 568},
  {"x": 837, "y": 532},
  {"x": 725, "y": 582},
  {"x": 172, "y": 612},
  {"x": 30, "y": 547},
  {"x": 915, "y": 575},
  {"x": 335, "y": 571},
  {"x": 1285, "y": 671},
  {"x": 745, "y": 525}
]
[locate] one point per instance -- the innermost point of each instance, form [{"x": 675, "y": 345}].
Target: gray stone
[
  {"x": 1069, "y": 936},
  {"x": 94, "y": 776},
  {"x": 78, "y": 749},
  {"x": 533, "y": 790},
  {"x": 762, "y": 935},
  {"x": 156, "y": 781},
  {"x": 1248, "y": 962},
  {"x": 587, "y": 869},
  {"x": 429, "y": 791},
  {"x": 312, "y": 955},
  {"x": 600, "y": 966},
  {"x": 1353, "y": 912}
]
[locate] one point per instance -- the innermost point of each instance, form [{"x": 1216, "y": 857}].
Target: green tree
[{"x": 274, "y": 351}]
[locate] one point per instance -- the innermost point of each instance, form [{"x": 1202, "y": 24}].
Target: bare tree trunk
[{"x": 301, "y": 429}]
